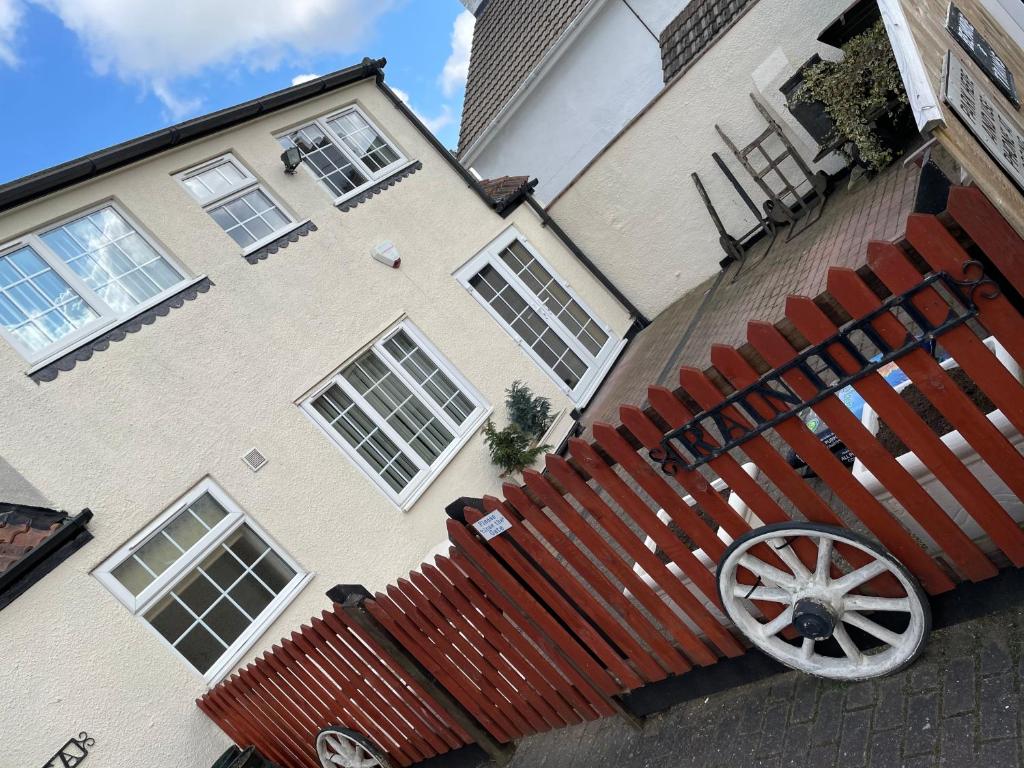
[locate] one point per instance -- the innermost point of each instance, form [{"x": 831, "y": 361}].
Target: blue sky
[{"x": 79, "y": 75}]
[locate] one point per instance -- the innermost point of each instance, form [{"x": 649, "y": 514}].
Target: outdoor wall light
[{"x": 291, "y": 158}]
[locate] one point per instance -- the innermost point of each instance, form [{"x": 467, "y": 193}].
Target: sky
[{"x": 80, "y": 75}]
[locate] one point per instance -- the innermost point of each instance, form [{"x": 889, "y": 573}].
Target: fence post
[{"x": 352, "y": 599}]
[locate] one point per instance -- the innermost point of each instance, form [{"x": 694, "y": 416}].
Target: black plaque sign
[
  {"x": 984, "y": 56},
  {"x": 73, "y": 753}
]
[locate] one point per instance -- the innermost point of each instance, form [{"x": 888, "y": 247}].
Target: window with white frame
[
  {"x": 205, "y": 578},
  {"x": 399, "y": 410},
  {"x": 60, "y": 284},
  {"x": 344, "y": 151},
  {"x": 541, "y": 311},
  {"x": 236, "y": 201}
]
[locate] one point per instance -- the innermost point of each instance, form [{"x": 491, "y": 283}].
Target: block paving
[
  {"x": 958, "y": 706},
  {"x": 876, "y": 210}
]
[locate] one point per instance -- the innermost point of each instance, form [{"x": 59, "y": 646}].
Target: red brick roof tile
[
  {"x": 504, "y": 187},
  {"x": 24, "y": 528},
  {"x": 695, "y": 30}
]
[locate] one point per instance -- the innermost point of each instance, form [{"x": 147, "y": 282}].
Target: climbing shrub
[{"x": 855, "y": 91}]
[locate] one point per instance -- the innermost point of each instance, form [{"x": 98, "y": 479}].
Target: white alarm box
[{"x": 386, "y": 253}]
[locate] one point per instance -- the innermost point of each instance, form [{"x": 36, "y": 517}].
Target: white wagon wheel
[
  {"x": 835, "y": 636},
  {"x": 344, "y": 748}
]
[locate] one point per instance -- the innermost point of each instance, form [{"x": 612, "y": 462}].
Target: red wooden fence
[{"x": 590, "y": 595}]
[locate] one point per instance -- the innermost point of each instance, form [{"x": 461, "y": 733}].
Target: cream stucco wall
[
  {"x": 128, "y": 431},
  {"x": 635, "y": 210}
]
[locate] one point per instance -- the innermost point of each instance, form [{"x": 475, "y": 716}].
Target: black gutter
[
  {"x": 44, "y": 558},
  {"x": 39, "y": 184},
  {"x": 639, "y": 318},
  {"x": 453, "y": 161}
]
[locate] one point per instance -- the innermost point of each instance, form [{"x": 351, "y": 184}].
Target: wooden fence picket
[
  {"x": 593, "y": 578},
  {"x": 774, "y": 347}
]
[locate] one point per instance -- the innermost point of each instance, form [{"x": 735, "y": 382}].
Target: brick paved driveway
[
  {"x": 958, "y": 706},
  {"x": 876, "y": 210}
]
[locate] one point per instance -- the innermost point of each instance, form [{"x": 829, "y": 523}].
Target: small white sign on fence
[{"x": 492, "y": 525}]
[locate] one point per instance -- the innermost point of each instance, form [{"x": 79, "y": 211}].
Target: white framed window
[
  {"x": 399, "y": 410},
  {"x": 344, "y": 151},
  {"x": 68, "y": 281},
  {"x": 205, "y": 578},
  {"x": 234, "y": 198},
  {"x": 542, "y": 313}
]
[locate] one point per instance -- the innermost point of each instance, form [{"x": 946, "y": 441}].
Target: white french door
[{"x": 542, "y": 313}]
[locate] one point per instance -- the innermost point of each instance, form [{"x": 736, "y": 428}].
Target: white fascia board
[
  {"x": 550, "y": 58},
  {"x": 923, "y": 100}
]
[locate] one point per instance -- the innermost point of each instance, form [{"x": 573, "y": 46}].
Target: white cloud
[
  {"x": 10, "y": 18},
  {"x": 300, "y": 79},
  {"x": 178, "y": 107},
  {"x": 456, "y": 68},
  {"x": 434, "y": 124},
  {"x": 155, "y": 42}
]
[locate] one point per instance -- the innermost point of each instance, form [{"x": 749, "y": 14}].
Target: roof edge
[
  {"x": 433, "y": 141},
  {"x": 49, "y": 180}
]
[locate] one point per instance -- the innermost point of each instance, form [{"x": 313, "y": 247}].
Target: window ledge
[
  {"x": 277, "y": 242},
  {"x": 48, "y": 370},
  {"x": 349, "y": 203}
]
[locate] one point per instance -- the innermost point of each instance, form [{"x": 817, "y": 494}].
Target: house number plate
[
  {"x": 492, "y": 525},
  {"x": 73, "y": 753}
]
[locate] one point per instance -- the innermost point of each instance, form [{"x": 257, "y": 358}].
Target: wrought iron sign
[
  {"x": 979, "y": 49},
  {"x": 770, "y": 400},
  {"x": 73, "y": 753}
]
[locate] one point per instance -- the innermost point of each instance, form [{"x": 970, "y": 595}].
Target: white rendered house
[{"x": 264, "y": 376}]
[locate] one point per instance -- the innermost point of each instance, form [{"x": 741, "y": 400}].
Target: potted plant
[
  {"x": 863, "y": 94},
  {"x": 517, "y": 446},
  {"x": 956, "y": 443}
]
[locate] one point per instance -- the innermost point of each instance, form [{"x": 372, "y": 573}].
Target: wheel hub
[{"x": 813, "y": 618}]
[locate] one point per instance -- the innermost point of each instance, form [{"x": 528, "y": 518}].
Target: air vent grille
[{"x": 254, "y": 460}]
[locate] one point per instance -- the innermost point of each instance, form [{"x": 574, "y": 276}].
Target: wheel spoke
[
  {"x": 807, "y": 648},
  {"x": 346, "y": 755},
  {"x": 847, "y": 645},
  {"x": 871, "y": 603},
  {"x": 779, "y": 623},
  {"x": 767, "y": 572},
  {"x": 784, "y": 549},
  {"x": 824, "y": 562},
  {"x": 335, "y": 743},
  {"x": 862, "y": 575},
  {"x": 872, "y": 628},
  {"x": 338, "y": 751},
  {"x": 761, "y": 592}
]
